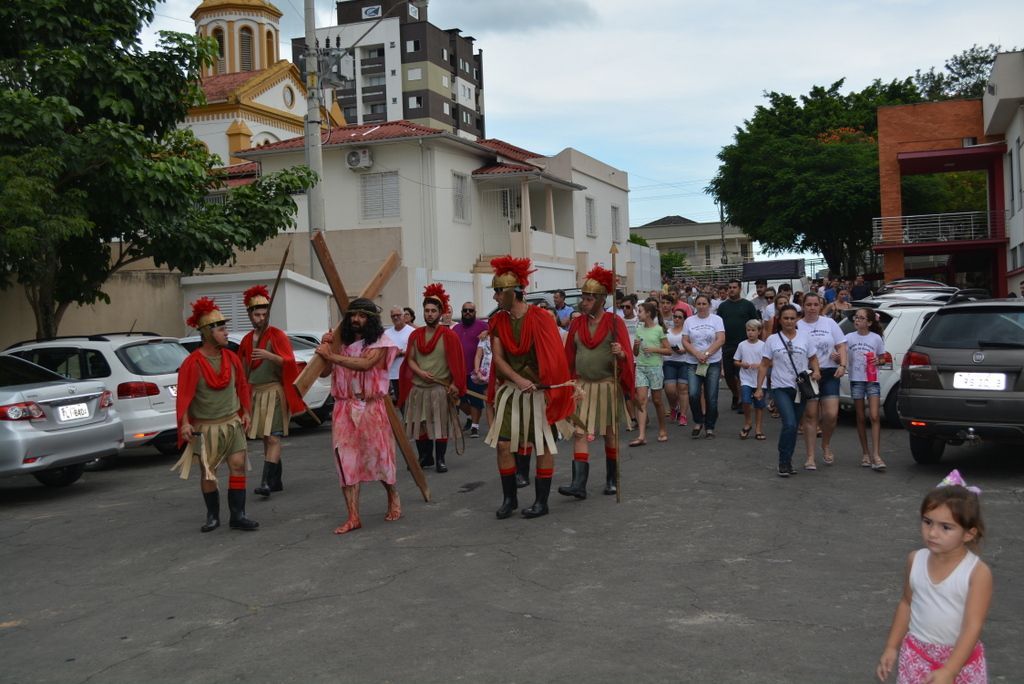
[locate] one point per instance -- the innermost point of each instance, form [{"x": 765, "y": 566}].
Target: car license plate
[
  {"x": 979, "y": 381},
  {"x": 173, "y": 389},
  {"x": 73, "y": 411}
]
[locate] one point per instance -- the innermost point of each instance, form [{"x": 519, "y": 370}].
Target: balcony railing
[{"x": 958, "y": 226}]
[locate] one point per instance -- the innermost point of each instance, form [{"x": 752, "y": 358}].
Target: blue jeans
[
  {"x": 709, "y": 384},
  {"x": 790, "y": 413}
]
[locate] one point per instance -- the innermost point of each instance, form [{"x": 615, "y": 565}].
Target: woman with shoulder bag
[{"x": 790, "y": 358}]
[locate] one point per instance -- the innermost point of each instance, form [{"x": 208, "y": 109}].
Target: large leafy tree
[
  {"x": 802, "y": 174},
  {"x": 94, "y": 173},
  {"x": 965, "y": 74}
]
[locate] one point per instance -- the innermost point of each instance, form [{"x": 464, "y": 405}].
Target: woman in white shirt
[
  {"x": 830, "y": 348},
  {"x": 676, "y": 388},
  {"x": 787, "y": 353},
  {"x": 703, "y": 337}
]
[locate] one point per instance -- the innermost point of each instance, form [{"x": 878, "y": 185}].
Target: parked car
[
  {"x": 901, "y": 321},
  {"x": 962, "y": 381},
  {"x": 139, "y": 369},
  {"x": 318, "y": 399},
  {"x": 51, "y": 427},
  {"x": 573, "y": 296}
]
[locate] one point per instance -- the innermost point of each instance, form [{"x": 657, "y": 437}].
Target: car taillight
[
  {"x": 106, "y": 399},
  {"x": 28, "y": 410},
  {"x": 886, "y": 360},
  {"x": 913, "y": 359},
  {"x": 137, "y": 390}
]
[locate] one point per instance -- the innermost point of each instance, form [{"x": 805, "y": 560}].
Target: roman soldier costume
[
  {"x": 427, "y": 404},
  {"x": 588, "y": 348},
  {"x": 532, "y": 348},
  {"x": 213, "y": 399},
  {"x": 274, "y": 397}
]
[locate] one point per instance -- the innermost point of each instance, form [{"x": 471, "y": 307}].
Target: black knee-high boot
[
  {"x": 264, "y": 489},
  {"x": 510, "y": 501},
  {"x": 609, "y": 478},
  {"x": 542, "y": 485},
  {"x": 522, "y": 470},
  {"x": 578, "y": 488},
  {"x": 212, "y": 500},
  {"x": 441, "y": 450},
  {"x": 236, "y": 504},
  {"x": 275, "y": 478},
  {"x": 426, "y": 451}
]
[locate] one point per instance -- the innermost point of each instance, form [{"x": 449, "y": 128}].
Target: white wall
[
  {"x": 1015, "y": 195},
  {"x": 386, "y": 33}
]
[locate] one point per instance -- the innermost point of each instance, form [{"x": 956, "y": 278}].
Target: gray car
[
  {"x": 962, "y": 381},
  {"x": 51, "y": 427}
]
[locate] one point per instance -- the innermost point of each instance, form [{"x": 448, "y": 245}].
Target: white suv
[
  {"x": 140, "y": 370},
  {"x": 901, "y": 321}
]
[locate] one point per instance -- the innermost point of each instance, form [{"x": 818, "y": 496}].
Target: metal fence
[{"x": 956, "y": 226}]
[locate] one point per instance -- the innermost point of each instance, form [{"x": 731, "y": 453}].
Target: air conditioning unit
[{"x": 359, "y": 159}]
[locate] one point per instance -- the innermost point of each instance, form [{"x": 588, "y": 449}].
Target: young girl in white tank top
[{"x": 946, "y": 594}]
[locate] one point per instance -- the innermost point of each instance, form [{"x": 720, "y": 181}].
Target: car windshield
[
  {"x": 300, "y": 343},
  {"x": 152, "y": 358},
  {"x": 972, "y": 328},
  {"x": 14, "y": 372}
]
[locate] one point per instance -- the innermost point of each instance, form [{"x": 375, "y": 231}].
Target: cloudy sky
[{"x": 657, "y": 87}]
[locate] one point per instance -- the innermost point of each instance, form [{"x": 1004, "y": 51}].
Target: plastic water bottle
[{"x": 872, "y": 369}]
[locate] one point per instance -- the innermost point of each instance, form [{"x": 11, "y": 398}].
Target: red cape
[
  {"x": 452, "y": 353},
  {"x": 627, "y": 367},
  {"x": 289, "y": 369},
  {"x": 188, "y": 380},
  {"x": 540, "y": 334}
]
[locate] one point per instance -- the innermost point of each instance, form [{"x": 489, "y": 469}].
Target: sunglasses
[{"x": 469, "y": 311}]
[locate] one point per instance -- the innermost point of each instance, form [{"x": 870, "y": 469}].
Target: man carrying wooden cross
[
  {"x": 432, "y": 377},
  {"x": 362, "y": 441},
  {"x": 529, "y": 385},
  {"x": 270, "y": 368}
]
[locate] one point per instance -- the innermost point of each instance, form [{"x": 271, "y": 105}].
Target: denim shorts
[
  {"x": 860, "y": 389},
  {"x": 828, "y": 386},
  {"x": 675, "y": 372},
  {"x": 748, "y": 396},
  {"x": 650, "y": 376}
]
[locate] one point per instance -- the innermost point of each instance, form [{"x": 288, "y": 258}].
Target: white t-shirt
[
  {"x": 675, "y": 340},
  {"x": 768, "y": 312},
  {"x": 701, "y": 332},
  {"x": 485, "y": 359},
  {"x": 631, "y": 326},
  {"x": 825, "y": 335},
  {"x": 401, "y": 340},
  {"x": 857, "y": 346},
  {"x": 714, "y": 305},
  {"x": 750, "y": 352},
  {"x": 782, "y": 369}
]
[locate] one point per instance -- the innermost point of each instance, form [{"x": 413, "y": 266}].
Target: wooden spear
[{"x": 615, "y": 384}]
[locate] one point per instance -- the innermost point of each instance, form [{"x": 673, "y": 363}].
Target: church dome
[{"x": 242, "y": 6}]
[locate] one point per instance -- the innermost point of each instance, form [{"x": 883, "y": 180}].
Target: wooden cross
[{"x": 317, "y": 364}]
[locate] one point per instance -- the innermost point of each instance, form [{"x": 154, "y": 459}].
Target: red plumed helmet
[
  {"x": 599, "y": 281},
  {"x": 204, "y": 312},
  {"x": 435, "y": 291},
  {"x": 511, "y": 272},
  {"x": 256, "y": 295}
]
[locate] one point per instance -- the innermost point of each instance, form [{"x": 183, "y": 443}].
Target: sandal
[
  {"x": 638, "y": 442},
  {"x": 662, "y": 438},
  {"x": 760, "y": 436},
  {"x": 745, "y": 432},
  {"x": 878, "y": 466},
  {"x": 695, "y": 432},
  {"x": 810, "y": 466},
  {"x": 865, "y": 461},
  {"x": 828, "y": 457}
]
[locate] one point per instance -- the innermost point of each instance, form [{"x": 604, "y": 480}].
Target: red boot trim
[
  {"x": 612, "y": 453},
  {"x": 581, "y": 456},
  {"x": 507, "y": 471},
  {"x": 545, "y": 473},
  {"x": 236, "y": 482}
]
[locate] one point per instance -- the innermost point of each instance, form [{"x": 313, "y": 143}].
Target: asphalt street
[{"x": 712, "y": 569}]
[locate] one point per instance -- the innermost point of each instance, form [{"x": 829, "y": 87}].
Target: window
[
  {"x": 350, "y": 114},
  {"x": 415, "y": 102},
  {"x": 374, "y": 52},
  {"x": 218, "y": 35},
  {"x": 394, "y": 100},
  {"x": 1012, "y": 184},
  {"x": 591, "y": 217},
  {"x": 707, "y": 255},
  {"x": 476, "y": 74},
  {"x": 444, "y": 54},
  {"x": 445, "y": 81},
  {"x": 447, "y": 108},
  {"x": 394, "y": 73},
  {"x": 1020, "y": 181},
  {"x": 460, "y": 196},
  {"x": 466, "y": 118},
  {"x": 616, "y": 227},
  {"x": 379, "y": 195},
  {"x": 744, "y": 250},
  {"x": 412, "y": 46},
  {"x": 270, "y": 47},
  {"x": 245, "y": 48},
  {"x": 415, "y": 74},
  {"x": 378, "y": 108},
  {"x": 371, "y": 81}
]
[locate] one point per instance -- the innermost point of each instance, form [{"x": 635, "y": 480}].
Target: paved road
[{"x": 711, "y": 570}]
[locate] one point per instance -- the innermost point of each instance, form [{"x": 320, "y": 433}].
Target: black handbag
[{"x": 805, "y": 384}]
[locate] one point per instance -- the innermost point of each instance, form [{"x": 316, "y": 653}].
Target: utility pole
[
  {"x": 721, "y": 225},
  {"x": 314, "y": 151}
]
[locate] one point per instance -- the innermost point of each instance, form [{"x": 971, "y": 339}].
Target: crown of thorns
[{"x": 363, "y": 306}]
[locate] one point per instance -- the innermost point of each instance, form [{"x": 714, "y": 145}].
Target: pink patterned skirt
[
  {"x": 364, "y": 445},
  {"x": 919, "y": 659}
]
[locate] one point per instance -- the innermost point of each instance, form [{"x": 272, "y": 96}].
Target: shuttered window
[
  {"x": 380, "y": 195},
  {"x": 218, "y": 35},
  {"x": 591, "y": 217},
  {"x": 460, "y": 195},
  {"x": 245, "y": 49},
  {"x": 616, "y": 225}
]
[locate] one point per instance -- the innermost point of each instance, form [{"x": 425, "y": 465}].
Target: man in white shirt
[
  {"x": 399, "y": 334},
  {"x": 760, "y": 299}
]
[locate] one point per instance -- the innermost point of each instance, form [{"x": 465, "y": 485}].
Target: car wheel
[
  {"x": 167, "y": 448},
  {"x": 889, "y": 411},
  {"x": 926, "y": 450},
  {"x": 60, "y": 477}
]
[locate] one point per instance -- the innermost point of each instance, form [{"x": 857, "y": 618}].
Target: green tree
[
  {"x": 671, "y": 261},
  {"x": 638, "y": 240},
  {"x": 94, "y": 174},
  {"x": 802, "y": 174},
  {"x": 965, "y": 75}
]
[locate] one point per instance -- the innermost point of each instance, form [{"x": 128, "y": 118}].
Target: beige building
[{"x": 705, "y": 245}]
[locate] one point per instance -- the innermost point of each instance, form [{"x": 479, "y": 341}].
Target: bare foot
[
  {"x": 394, "y": 511},
  {"x": 350, "y": 524}
]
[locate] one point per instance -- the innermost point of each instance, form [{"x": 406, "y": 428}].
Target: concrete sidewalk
[{"x": 711, "y": 570}]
